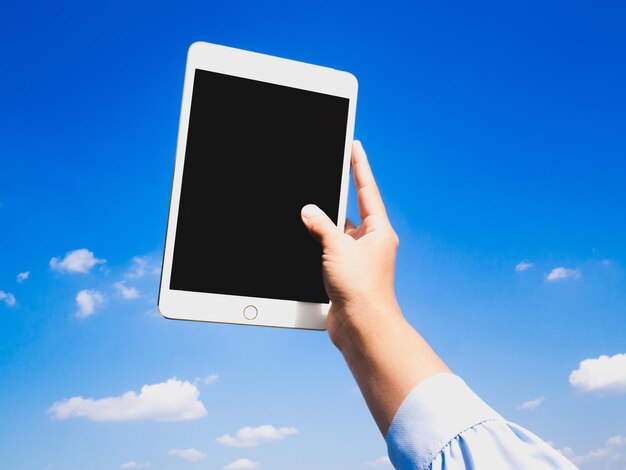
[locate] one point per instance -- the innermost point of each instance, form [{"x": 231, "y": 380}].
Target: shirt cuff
[{"x": 436, "y": 411}]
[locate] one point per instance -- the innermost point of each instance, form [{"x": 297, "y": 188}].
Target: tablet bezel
[{"x": 222, "y": 308}]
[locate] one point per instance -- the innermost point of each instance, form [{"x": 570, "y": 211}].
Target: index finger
[{"x": 368, "y": 196}]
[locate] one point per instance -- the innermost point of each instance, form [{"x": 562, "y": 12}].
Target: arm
[
  {"x": 430, "y": 418},
  {"x": 387, "y": 357}
]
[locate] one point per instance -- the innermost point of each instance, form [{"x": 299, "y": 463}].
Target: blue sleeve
[{"x": 443, "y": 425}]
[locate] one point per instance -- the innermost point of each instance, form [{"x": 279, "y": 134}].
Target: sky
[{"x": 496, "y": 134}]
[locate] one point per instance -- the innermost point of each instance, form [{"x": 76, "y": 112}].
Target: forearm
[{"x": 387, "y": 357}]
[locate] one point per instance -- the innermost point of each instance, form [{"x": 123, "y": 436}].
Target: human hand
[{"x": 358, "y": 264}]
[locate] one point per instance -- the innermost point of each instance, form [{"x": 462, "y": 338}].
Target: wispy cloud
[
  {"x": 531, "y": 404},
  {"x": 208, "y": 380},
  {"x": 604, "y": 374},
  {"x": 523, "y": 266},
  {"x": 609, "y": 456},
  {"x": 172, "y": 400},
  {"x": 190, "y": 455},
  {"x": 77, "y": 261},
  {"x": 88, "y": 301},
  {"x": 133, "y": 464},
  {"x": 7, "y": 298},
  {"x": 241, "y": 464},
  {"x": 562, "y": 273},
  {"x": 252, "y": 437},
  {"x": 380, "y": 462},
  {"x": 143, "y": 266},
  {"x": 127, "y": 292},
  {"x": 21, "y": 277},
  {"x": 616, "y": 441}
]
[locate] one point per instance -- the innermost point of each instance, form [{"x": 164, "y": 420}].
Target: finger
[
  {"x": 319, "y": 224},
  {"x": 368, "y": 196}
]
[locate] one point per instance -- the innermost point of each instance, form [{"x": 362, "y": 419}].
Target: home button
[{"x": 250, "y": 312}]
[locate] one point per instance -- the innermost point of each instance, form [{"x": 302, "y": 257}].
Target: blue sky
[{"x": 496, "y": 133}]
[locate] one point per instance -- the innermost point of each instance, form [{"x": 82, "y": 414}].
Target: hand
[
  {"x": 357, "y": 265},
  {"x": 387, "y": 357}
]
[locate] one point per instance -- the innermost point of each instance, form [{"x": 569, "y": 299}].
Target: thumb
[{"x": 318, "y": 223}]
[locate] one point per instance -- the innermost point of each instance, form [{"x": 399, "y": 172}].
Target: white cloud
[
  {"x": 609, "y": 456},
  {"x": 191, "y": 455},
  {"x": 381, "y": 462},
  {"x": 616, "y": 441},
  {"x": 126, "y": 292},
  {"x": 153, "y": 312},
  {"x": 88, "y": 301},
  {"x": 77, "y": 261},
  {"x": 252, "y": 437},
  {"x": 241, "y": 464},
  {"x": 133, "y": 464},
  {"x": 562, "y": 273},
  {"x": 7, "y": 298},
  {"x": 208, "y": 380},
  {"x": 142, "y": 266},
  {"x": 531, "y": 404},
  {"x": 172, "y": 400},
  {"x": 523, "y": 266},
  {"x": 604, "y": 374},
  {"x": 21, "y": 277}
]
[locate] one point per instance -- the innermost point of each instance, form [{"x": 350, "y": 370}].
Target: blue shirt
[{"x": 443, "y": 425}]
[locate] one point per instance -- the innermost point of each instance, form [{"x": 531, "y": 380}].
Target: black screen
[{"x": 256, "y": 153}]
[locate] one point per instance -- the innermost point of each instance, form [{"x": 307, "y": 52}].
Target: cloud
[
  {"x": 88, "y": 301},
  {"x": 252, "y": 437},
  {"x": 77, "y": 261},
  {"x": 604, "y": 374},
  {"x": 126, "y": 292},
  {"x": 241, "y": 464},
  {"x": 7, "y": 298},
  {"x": 523, "y": 266},
  {"x": 609, "y": 456},
  {"x": 142, "y": 266},
  {"x": 616, "y": 441},
  {"x": 191, "y": 455},
  {"x": 208, "y": 380},
  {"x": 531, "y": 404},
  {"x": 562, "y": 273},
  {"x": 172, "y": 400},
  {"x": 21, "y": 277},
  {"x": 381, "y": 462},
  {"x": 133, "y": 464}
]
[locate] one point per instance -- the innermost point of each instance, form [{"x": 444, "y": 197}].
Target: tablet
[{"x": 259, "y": 138}]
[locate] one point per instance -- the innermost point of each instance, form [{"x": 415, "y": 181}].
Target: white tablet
[{"x": 259, "y": 138}]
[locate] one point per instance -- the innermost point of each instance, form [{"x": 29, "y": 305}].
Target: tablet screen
[{"x": 256, "y": 154}]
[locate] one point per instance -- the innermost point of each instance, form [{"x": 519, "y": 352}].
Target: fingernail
[{"x": 310, "y": 210}]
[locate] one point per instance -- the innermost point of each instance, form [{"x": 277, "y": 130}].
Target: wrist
[{"x": 363, "y": 325}]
